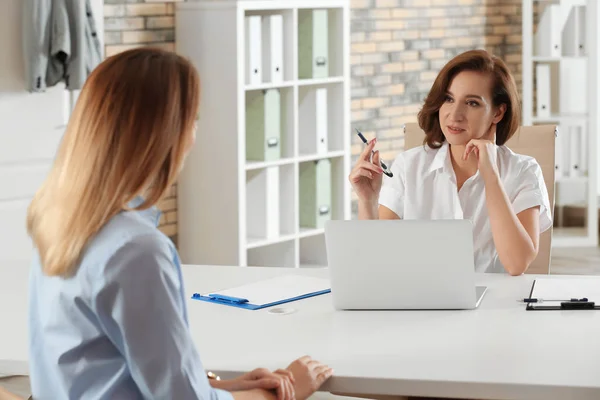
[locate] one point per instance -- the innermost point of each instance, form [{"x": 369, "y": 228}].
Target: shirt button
[{"x": 94, "y": 34}]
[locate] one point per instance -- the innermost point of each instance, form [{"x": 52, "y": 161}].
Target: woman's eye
[
  {"x": 473, "y": 103},
  {"x": 448, "y": 99}
]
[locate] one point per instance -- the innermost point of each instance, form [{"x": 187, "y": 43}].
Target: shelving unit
[
  {"x": 561, "y": 86},
  {"x": 240, "y": 202}
]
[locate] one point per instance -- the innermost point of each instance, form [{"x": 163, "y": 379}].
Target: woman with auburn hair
[
  {"x": 464, "y": 170},
  {"x": 107, "y": 310}
]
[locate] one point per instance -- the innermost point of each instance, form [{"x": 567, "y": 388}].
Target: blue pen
[{"x": 385, "y": 168}]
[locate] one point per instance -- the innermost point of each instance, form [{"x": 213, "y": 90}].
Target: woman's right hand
[
  {"x": 308, "y": 375},
  {"x": 367, "y": 175}
]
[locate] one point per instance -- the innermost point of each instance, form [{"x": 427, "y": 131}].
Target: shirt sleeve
[
  {"x": 392, "y": 191},
  {"x": 139, "y": 303},
  {"x": 531, "y": 191},
  {"x": 60, "y": 45}
]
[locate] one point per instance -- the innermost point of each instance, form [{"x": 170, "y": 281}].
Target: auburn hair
[
  {"x": 504, "y": 91},
  {"x": 127, "y": 137}
]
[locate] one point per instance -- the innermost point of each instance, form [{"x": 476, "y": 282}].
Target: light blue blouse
[{"x": 118, "y": 328}]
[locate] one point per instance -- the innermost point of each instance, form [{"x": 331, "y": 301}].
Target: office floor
[
  {"x": 565, "y": 261},
  {"x": 576, "y": 261}
]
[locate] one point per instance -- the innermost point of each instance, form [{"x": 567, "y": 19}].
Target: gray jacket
[{"x": 60, "y": 43}]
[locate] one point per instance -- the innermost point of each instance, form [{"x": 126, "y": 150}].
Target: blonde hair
[{"x": 127, "y": 136}]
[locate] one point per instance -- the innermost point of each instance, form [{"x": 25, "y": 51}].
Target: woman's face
[{"x": 468, "y": 112}]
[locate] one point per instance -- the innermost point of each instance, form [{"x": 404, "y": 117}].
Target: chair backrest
[{"x": 536, "y": 141}]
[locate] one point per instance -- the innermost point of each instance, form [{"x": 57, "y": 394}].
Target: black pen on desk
[
  {"x": 385, "y": 168},
  {"x": 534, "y": 300}
]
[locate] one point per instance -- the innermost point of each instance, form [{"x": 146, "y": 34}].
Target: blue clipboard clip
[{"x": 227, "y": 299}]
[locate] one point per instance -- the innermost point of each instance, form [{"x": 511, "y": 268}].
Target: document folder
[
  {"x": 253, "y": 35},
  {"x": 268, "y": 293},
  {"x": 564, "y": 294}
]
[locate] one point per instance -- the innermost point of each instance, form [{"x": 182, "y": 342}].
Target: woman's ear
[{"x": 499, "y": 114}]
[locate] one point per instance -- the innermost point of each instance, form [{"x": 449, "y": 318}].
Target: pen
[
  {"x": 530, "y": 300},
  {"x": 385, "y": 168}
]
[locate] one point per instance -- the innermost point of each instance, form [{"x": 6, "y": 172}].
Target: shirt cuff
[
  {"x": 392, "y": 199},
  {"x": 533, "y": 199}
]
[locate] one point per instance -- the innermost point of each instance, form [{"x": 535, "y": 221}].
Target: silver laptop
[{"x": 402, "y": 264}]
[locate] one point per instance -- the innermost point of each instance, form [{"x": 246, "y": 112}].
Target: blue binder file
[{"x": 268, "y": 293}]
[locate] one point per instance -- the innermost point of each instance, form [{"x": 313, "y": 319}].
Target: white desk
[{"x": 499, "y": 351}]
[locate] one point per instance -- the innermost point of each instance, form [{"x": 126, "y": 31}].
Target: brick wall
[
  {"x": 399, "y": 46},
  {"x": 134, "y": 23}
]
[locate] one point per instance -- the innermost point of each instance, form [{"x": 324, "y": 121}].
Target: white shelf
[
  {"x": 308, "y": 232},
  {"x": 240, "y": 211},
  {"x": 281, "y": 254},
  {"x": 324, "y": 81},
  {"x": 301, "y": 82},
  {"x": 316, "y": 266},
  {"x": 250, "y": 165},
  {"x": 313, "y": 157},
  {"x": 565, "y": 51},
  {"x": 270, "y": 85},
  {"x": 544, "y": 59},
  {"x": 572, "y": 179},
  {"x": 253, "y": 243},
  {"x": 575, "y": 2},
  {"x": 558, "y": 117}
]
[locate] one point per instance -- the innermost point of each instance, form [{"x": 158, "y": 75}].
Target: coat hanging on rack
[{"x": 60, "y": 43}]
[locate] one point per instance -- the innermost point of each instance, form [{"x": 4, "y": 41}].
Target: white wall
[{"x": 31, "y": 125}]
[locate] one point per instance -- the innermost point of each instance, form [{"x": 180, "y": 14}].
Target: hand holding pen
[
  {"x": 383, "y": 166},
  {"x": 366, "y": 176}
]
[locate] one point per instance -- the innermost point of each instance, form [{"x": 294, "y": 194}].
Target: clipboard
[
  {"x": 268, "y": 293},
  {"x": 564, "y": 294}
]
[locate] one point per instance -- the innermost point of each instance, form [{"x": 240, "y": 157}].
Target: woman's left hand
[
  {"x": 484, "y": 150},
  {"x": 281, "y": 381}
]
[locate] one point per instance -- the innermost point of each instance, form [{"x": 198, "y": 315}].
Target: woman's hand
[
  {"x": 281, "y": 381},
  {"x": 484, "y": 150},
  {"x": 309, "y": 375},
  {"x": 367, "y": 175}
]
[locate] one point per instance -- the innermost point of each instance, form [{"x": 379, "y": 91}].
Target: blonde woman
[{"x": 107, "y": 311}]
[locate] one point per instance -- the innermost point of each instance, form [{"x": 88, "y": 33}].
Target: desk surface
[{"x": 499, "y": 351}]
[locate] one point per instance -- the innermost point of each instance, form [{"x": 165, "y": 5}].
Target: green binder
[
  {"x": 263, "y": 125},
  {"x": 313, "y": 44},
  {"x": 315, "y": 193}
]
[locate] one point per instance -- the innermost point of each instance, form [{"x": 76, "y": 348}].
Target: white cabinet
[
  {"x": 561, "y": 56},
  {"x": 239, "y": 199}
]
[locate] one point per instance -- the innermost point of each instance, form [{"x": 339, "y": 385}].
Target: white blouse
[{"x": 424, "y": 187}]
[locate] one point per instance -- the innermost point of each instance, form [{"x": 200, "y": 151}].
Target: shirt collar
[
  {"x": 151, "y": 214},
  {"x": 441, "y": 159}
]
